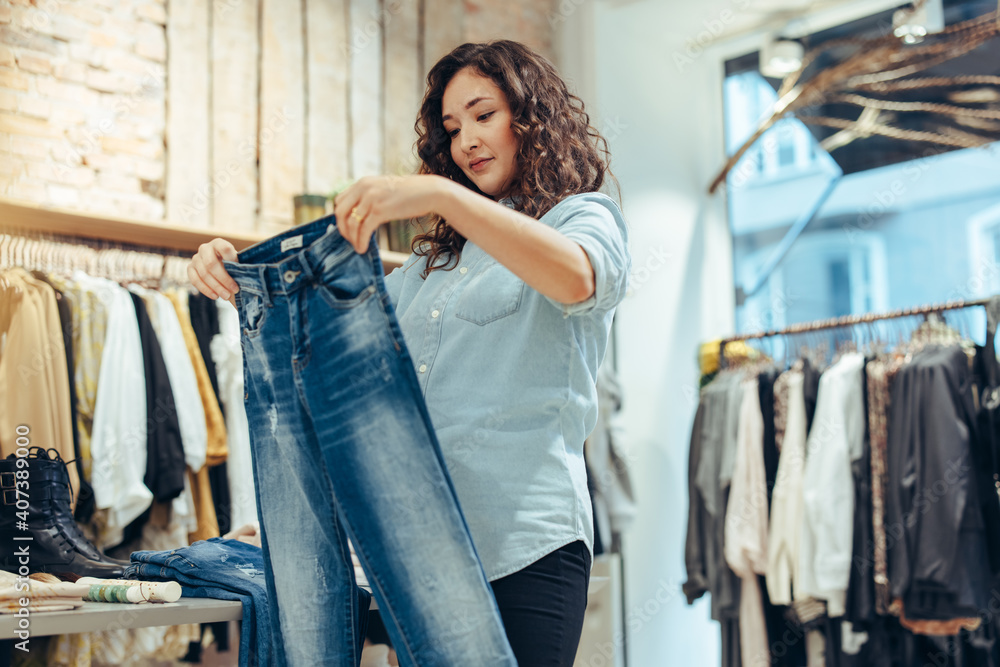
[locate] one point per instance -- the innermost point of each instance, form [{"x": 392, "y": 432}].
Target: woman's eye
[
  {"x": 453, "y": 133},
  {"x": 485, "y": 116}
]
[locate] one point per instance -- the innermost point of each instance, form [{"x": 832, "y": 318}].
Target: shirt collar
[{"x": 510, "y": 202}]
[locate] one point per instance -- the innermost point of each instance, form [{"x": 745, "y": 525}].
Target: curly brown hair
[{"x": 560, "y": 153}]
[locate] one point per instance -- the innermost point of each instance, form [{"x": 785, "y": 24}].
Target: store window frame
[{"x": 985, "y": 269}]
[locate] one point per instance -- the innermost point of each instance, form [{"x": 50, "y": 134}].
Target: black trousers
[{"x": 542, "y": 607}]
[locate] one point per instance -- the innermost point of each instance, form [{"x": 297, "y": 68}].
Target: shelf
[
  {"x": 19, "y": 215},
  {"x": 93, "y": 616},
  {"x": 22, "y": 215}
]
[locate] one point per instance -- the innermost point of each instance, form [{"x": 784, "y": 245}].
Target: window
[{"x": 889, "y": 225}]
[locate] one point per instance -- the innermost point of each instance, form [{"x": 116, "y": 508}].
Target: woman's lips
[{"x": 479, "y": 166}]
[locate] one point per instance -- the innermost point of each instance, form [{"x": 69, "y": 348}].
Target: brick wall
[
  {"x": 82, "y": 105},
  {"x": 83, "y": 100}
]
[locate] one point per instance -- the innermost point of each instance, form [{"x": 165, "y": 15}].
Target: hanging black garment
[
  {"x": 810, "y": 390},
  {"x": 986, "y": 447},
  {"x": 205, "y": 322},
  {"x": 218, "y": 480},
  {"x": 164, "y": 450},
  {"x": 696, "y": 547},
  {"x": 765, "y": 390},
  {"x": 861, "y": 587},
  {"x": 937, "y": 555}
]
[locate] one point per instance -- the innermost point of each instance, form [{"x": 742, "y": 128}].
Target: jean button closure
[{"x": 290, "y": 275}]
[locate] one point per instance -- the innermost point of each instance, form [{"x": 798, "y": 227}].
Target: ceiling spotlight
[
  {"x": 780, "y": 58},
  {"x": 910, "y": 26},
  {"x": 913, "y": 24}
]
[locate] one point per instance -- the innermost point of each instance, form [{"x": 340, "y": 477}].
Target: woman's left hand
[{"x": 375, "y": 200}]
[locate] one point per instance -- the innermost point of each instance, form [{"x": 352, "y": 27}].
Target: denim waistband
[{"x": 285, "y": 263}]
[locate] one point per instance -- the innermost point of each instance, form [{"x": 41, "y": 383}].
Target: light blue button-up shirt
[{"x": 508, "y": 376}]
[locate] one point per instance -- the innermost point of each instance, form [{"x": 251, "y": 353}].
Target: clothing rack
[
  {"x": 25, "y": 218},
  {"x": 42, "y": 251},
  {"x": 852, "y": 320}
]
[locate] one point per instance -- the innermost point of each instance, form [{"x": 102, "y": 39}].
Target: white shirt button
[
  {"x": 423, "y": 368},
  {"x": 435, "y": 313},
  {"x": 464, "y": 270}
]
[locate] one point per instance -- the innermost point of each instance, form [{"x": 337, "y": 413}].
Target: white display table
[{"x": 112, "y": 616}]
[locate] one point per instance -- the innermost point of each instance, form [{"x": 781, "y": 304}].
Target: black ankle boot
[{"x": 56, "y": 544}]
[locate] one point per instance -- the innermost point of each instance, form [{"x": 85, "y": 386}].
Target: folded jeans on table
[{"x": 220, "y": 569}]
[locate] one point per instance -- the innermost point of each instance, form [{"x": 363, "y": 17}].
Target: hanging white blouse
[
  {"x": 118, "y": 447},
  {"x": 786, "y": 501},
  {"x": 836, "y": 438}
]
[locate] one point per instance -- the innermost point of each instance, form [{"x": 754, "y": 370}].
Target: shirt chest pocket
[{"x": 491, "y": 294}]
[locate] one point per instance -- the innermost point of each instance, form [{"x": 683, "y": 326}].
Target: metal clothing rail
[{"x": 852, "y": 320}]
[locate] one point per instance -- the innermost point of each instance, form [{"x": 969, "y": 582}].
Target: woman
[{"x": 506, "y": 307}]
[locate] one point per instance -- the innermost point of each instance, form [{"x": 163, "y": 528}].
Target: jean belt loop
[
  {"x": 265, "y": 288},
  {"x": 304, "y": 262}
]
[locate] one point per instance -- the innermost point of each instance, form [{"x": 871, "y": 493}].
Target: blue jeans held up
[{"x": 343, "y": 446}]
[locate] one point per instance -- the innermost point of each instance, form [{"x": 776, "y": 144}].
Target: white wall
[
  {"x": 655, "y": 92},
  {"x": 664, "y": 124}
]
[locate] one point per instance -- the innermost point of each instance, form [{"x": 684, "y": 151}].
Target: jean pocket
[
  {"x": 493, "y": 293},
  {"x": 347, "y": 283},
  {"x": 253, "y": 312},
  {"x": 180, "y": 563}
]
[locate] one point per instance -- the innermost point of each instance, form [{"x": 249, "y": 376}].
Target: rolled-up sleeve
[{"x": 597, "y": 225}]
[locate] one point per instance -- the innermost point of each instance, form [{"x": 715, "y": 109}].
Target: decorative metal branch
[{"x": 879, "y": 65}]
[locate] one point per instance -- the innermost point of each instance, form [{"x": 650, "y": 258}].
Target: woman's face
[{"x": 477, "y": 117}]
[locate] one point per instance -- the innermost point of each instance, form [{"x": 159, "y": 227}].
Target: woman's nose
[{"x": 470, "y": 142}]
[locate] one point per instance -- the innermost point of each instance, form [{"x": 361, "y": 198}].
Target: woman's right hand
[{"x": 207, "y": 273}]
